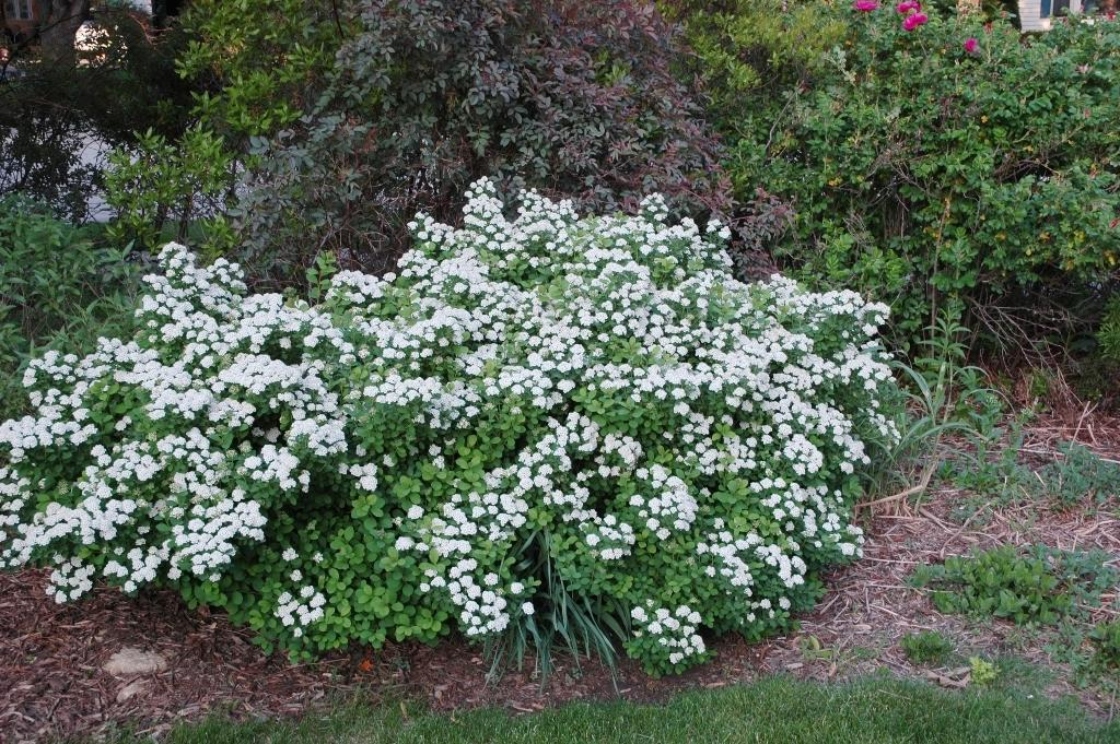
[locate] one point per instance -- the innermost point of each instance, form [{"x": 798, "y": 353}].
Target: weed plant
[
  {"x": 1080, "y": 477},
  {"x": 1041, "y": 586}
]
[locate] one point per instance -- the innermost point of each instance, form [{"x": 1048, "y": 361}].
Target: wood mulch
[{"x": 52, "y": 681}]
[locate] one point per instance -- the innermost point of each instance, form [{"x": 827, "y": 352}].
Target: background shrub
[
  {"x": 542, "y": 430},
  {"x": 389, "y": 108},
  {"x": 60, "y": 287},
  {"x": 931, "y": 176}
]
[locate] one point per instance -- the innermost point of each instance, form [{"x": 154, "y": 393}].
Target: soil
[{"x": 52, "y": 681}]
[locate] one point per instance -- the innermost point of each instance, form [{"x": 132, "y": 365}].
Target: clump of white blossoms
[
  {"x": 157, "y": 460},
  {"x": 533, "y": 417}
]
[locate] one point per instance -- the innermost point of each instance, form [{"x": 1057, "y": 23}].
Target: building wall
[
  {"x": 23, "y": 27},
  {"x": 1029, "y": 16},
  {"x": 1030, "y": 11}
]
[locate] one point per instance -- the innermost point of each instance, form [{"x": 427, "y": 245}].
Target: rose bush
[
  {"x": 942, "y": 164},
  {"x": 538, "y": 430}
]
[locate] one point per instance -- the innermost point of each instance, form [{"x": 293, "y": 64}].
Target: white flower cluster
[
  {"x": 674, "y": 632},
  {"x": 300, "y": 610},
  {"x": 161, "y": 485},
  {"x": 672, "y": 508},
  {"x": 482, "y": 603}
]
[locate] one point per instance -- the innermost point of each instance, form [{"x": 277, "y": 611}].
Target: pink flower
[
  {"x": 971, "y": 44},
  {"x": 910, "y": 6},
  {"x": 915, "y": 20},
  {"x": 865, "y": 6}
]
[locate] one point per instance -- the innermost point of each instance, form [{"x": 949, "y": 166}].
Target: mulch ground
[{"x": 52, "y": 681}]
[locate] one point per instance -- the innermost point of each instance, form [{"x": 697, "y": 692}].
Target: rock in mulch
[
  {"x": 131, "y": 662},
  {"x": 132, "y": 689}
]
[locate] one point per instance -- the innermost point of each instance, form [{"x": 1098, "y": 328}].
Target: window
[
  {"x": 18, "y": 10},
  {"x": 1057, "y": 7},
  {"x": 1050, "y": 8}
]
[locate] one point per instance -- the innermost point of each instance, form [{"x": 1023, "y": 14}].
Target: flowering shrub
[
  {"x": 940, "y": 163},
  {"x": 535, "y": 419}
]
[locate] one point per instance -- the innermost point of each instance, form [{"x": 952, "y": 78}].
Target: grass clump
[{"x": 927, "y": 647}]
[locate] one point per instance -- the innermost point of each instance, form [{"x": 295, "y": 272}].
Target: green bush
[
  {"x": 937, "y": 172},
  {"x": 60, "y": 286},
  {"x": 754, "y": 48},
  {"x": 544, "y": 430},
  {"x": 160, "y": 190},
  {"x": 385, "y": 109}
]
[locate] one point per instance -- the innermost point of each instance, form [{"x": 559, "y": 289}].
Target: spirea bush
[{"x": 539, "y": 428}]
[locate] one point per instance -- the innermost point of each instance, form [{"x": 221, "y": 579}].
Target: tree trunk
[{"x": 58, "y": 22}]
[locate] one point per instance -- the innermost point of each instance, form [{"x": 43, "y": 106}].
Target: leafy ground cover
[{"x": 52, "y": 681}]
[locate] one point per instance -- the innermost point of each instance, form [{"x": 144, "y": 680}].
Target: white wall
[{"x": 1029, "y": 16}]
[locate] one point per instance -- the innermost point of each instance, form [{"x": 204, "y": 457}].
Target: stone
[
  {"x": 129, "y": 662},
  {"x": 132, "y": 689}
]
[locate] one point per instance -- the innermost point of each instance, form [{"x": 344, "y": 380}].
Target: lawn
[{"x": 778, "y": 709}]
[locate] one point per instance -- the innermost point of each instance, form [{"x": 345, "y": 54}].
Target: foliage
[
  {"x": 981, "y": 671},
  {"x": 1080, "y": 476},
  {"x": 1105, "y": 638},
  {"x": 927, "y": 647},
  {"x": 1077, "y": 477},
  {"x": 260, "y": 65},
  {"x": 985, "y": 182},
  {"x": 987, "y": 10},
  {"x": 60, "y": 286},
  {"x": 943, "y": 396},
  {"x": 402, "y": 104},
  {"x": 1041, "y": 586},
  {"x": 157, "y": 184},
  {"x": 1000, "y": 476},
  {"x": 1109, "y": 334},
  {"x": 746, "y": 48},
  {"x": 539, "y": 429}
]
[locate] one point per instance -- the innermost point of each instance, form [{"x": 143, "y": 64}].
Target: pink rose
[
  {"x": 909, "y": 6},
  {"x": 971, "y": 44},
  {"x": 915, "y": 20},
  {"x": 865, "y": 6}
]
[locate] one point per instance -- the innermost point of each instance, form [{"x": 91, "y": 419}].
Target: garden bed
[{"x": 52, "y": 657}]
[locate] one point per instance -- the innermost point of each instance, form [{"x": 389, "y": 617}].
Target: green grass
[{"x": 775, "y": 710}]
